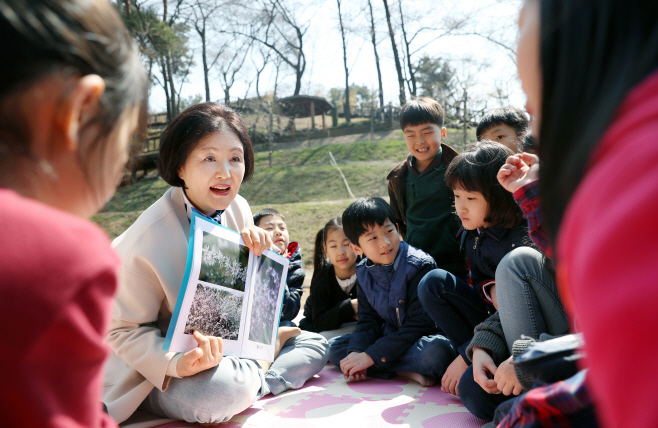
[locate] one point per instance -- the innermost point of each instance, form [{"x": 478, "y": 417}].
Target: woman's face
[
  {"x": 213, "y": 172},
  {"x": 528, "y": 60}
]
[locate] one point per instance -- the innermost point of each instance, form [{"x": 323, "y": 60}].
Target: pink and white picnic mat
[{"x": 329, "y": 401}]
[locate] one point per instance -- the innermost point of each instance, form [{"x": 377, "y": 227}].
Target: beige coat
[{"x": 154, "y": 253}]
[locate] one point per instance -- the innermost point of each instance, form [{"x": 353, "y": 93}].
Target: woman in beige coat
[{"x": 205, "y": 154}]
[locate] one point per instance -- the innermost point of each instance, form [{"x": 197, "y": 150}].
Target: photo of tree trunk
[
  {"x": 223, "y": 262},
  {"x": 215, "y": 312},
  {"x": 267, "y": 279}
]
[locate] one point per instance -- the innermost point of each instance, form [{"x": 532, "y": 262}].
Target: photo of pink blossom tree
[
  {"x": 223, "y": 262},
  {"x": 267, "y": 280},
  {"x": 215, "y": 312}
]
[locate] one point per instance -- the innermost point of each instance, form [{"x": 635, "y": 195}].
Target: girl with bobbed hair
[
  {"x": 205, "y": 154},
  {"x": 590, "y": 72},
  {"x": 72, "y": 92}
]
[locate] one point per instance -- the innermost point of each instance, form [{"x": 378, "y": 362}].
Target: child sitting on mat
[
  {"x": 394, "y": 334},
  {"x": 507, "y": 276},
  {"x": 275, "y": 224},
  {"x": 332, "y": 302}
]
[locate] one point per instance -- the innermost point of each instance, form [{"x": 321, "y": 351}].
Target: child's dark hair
[
  {"x": 264, "y": 213},
  {"x": 320, "y": 261},
  {"x": 421, "y": 111},
  {"x": 510, "y": 116},
  {"x": 529, "y": 144},
  {"x": 475, "y": 170},
  {"x": 364, "y": 213}
]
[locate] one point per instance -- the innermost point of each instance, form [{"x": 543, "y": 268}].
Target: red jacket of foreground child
[
  {"x": 608, "y": 262},
  {"x": 57, "y": 279}
]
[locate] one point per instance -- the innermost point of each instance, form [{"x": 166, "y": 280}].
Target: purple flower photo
[{"x": 267, "y": 280}]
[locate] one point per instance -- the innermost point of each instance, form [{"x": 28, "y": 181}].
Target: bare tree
[
  {"x": 398, "y": 66},
  {"x": 277, "y": 27},
  {"x": 230, "y": 66},
  {"x": 346, "y": 106},
  {"x": 202, "y": 12},
  {"x": 451, "y": 24},
  {"x": 373, "y": 35},
  {"x": 265, "y": 56}
]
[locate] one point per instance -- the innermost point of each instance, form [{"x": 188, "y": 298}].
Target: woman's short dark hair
[
  {"x": 193, "y": 125},
  {"x": 475, "y": 170},
  {"x": 592, "y": 53}
]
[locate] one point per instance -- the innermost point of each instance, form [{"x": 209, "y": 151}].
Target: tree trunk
[
  {"x": 165, "y": 84},
  {"x": 172, "y": 89},
  {"x": 164, "y": 11},
  {"x": 465, "y": 117},
  {"x": 398, "y": 67},
  {"x": 202, "y": 34},
  {"x": 126, "y": 5},
  {"x": 412, "y": 75},
  {"x": 374, "y": 46},
  {"x": 276, "y": 82},
  {"x": 298, "y": 83},
  {"x": 346, "y": 105}
]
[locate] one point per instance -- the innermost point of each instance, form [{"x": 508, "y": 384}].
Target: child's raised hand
[
  {"x": 450, "y": 380},
  {"x": 506, "y": 379},
  {"x": 256, "y": 239},
  {"x": 484, "y": 370},
  {"x": 207, "y": 355},
  {"x": 519, "y": 170},
  {"x": 354, "y": 366}
]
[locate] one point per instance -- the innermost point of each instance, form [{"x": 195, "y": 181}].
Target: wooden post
[
  {"x": 292, "y": 127},
  {"x": 312, "y": 115},
  {"x": 324, "y": 125}
]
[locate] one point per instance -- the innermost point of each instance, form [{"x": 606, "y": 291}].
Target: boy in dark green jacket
[{"x": 421, "y": 201}]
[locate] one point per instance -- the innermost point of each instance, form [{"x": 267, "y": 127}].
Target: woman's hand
[
  {"x": 506, "y": 379},
  {"x": 256, "y": 239},
  {"x": 484, "y": 370},
  {"x": 450, "y": 380},
  {"x": 519, "y": 170},
  {"x": 207, "y": 355}
]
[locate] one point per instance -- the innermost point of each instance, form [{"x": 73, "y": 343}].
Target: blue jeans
[
  {"x": 216, "y": 394},
  {"x": 527, "y": 295},
  {"x": 429, "y": 356},
  {"x": 455, "y": 307}
]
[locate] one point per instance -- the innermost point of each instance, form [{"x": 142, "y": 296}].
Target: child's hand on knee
[
  {"x": 207, "y": 355},
  {"x": 506, "y": 379},
  {"x": 450, "y": 380},
  {"x": 354, "y": 366},
  {"x": 484, "y": 370}
]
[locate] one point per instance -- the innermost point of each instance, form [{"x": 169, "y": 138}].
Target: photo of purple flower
[
  {"x": 223, "y": 262},
  {"x": 267, "y": 280},
  {"x": 214, "y": 312}
]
